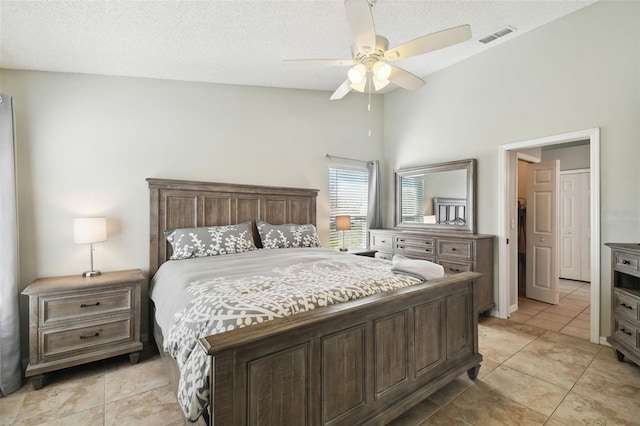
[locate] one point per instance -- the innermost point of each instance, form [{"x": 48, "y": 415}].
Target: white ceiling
[{"x": 242, "y": 42}]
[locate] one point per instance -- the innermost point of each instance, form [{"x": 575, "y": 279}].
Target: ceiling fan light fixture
[
  {"x": 379, "y": 84},
  {"x": 357, "y": 74},
  {"x": 360, "y": 86},
  {"x": 381, "y": 70}
]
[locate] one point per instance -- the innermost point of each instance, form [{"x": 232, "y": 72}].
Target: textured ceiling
[{"x": 242, "y": 42}]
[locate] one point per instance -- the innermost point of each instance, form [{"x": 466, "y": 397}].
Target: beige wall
[
  {"x": 85, "y": 145},
  {"x": 576, "y": 73}
]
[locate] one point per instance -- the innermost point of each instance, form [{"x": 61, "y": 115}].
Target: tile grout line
[{"x": 576, "y": 382}]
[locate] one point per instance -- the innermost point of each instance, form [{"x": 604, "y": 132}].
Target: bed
[{"x": 363, "y": 361}]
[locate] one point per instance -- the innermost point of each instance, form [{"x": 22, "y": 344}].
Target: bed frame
[{"x": 360, "y": 362}]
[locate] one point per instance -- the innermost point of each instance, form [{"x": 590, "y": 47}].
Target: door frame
[{"x": 508, "y": 253}]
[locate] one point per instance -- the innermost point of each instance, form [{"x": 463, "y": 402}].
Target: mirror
[{"x": 438, "y": 196}]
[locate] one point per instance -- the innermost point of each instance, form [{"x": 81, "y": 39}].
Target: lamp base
[
  {"x": 89, "y": 274},
  {"x": 343, "y": 249}
]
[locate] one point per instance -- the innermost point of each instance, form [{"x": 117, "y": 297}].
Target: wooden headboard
[
  {"x": 189, "y": 204},
  {"x": 450, "y": 211}
]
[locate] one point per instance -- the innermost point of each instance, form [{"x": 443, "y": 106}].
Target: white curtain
[
  {"x": 10, "y": 370},
  {"x": 374, "y": 211}
]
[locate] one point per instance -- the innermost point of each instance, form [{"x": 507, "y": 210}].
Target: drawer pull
[
  {"x": 453, "y": 249},
  {"x": 625, "y": 262},
  {"x": 84, "y": 305},
  {"x": 455, "y": 270},
  {"x": 624, "y": 305},
  {"x": 628, "y": 333},
  {"x": 89, "y": 336},
  {"x": 383, "y": 241}
]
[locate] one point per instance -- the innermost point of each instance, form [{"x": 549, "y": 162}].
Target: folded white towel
[{"x": 421, "y": 269}]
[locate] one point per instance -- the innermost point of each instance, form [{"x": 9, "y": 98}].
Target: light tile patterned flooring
[
  {"x": 529, "y": 376},
  {"x": 571, "y": 316}
]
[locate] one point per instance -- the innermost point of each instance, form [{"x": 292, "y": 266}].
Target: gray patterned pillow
[
  {"x": 211, "y": 241},
  {"x": 287, "y": 236}
]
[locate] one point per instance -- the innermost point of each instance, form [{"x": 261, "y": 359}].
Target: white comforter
[{"x": 204, "y": 296}]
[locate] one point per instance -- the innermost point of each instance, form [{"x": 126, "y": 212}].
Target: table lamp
[
  {"x": 90, "y": 230},
  {"x": 343, "y": 223}
]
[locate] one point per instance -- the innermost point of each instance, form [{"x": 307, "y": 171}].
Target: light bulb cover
[
  {"x": 357, "y": 74},
  {"x": 381, "y": 70},
  {"x": 379, "y": 84}
]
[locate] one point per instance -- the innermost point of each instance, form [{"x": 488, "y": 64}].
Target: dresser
[
  {"x": 625, "y": 298},
  {"x": 74, "y": 320},
  {"x": 455, "y": 252}
]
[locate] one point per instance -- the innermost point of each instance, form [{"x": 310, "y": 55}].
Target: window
[
  {"x": 348, "y": 194},
  {"x": 412, "y": 199}
]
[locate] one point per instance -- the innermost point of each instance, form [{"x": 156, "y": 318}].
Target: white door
[
  {"x": 542, "y": 234},
  {"x": 570, "y": 226},
  {"x": 585, "y": 257},
  {"x": 575, "y": 226}
]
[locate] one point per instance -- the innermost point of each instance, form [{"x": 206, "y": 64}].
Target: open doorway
[
  {"x": 565, "y": 296},
  {"x": 508, "y": 215}
]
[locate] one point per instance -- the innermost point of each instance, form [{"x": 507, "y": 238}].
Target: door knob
[{"x": 542, "y": 240}]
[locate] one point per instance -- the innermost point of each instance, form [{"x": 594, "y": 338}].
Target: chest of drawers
[
  {"x": 74, "y": 320},
  {"x": 625, "y": 299},
  {"x": 456, "y": 253}
]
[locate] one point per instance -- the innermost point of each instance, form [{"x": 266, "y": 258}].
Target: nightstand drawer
[
  {"x": 383, "y": 255},
  {"x": 68, "y": 307},
  {"x": 626, "y": 305},
  {"x": 455, "y": 249},
  {"x": 87, "y": 337},
  {"x": 626, "y": 332},
  {"x": 381, "y": 241},
  {"x": 626, "y": 261}
]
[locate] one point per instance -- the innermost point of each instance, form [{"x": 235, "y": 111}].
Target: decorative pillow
[
  {"x": 287, "y": 236},
  {"x": 211, "y": 241}
]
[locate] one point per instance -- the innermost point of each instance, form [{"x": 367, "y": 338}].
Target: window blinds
[{"x": 348, "y": 195}]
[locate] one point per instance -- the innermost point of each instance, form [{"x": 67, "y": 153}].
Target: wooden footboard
[{"x": 360, "y": 362}]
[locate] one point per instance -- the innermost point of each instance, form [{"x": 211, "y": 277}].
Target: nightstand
[{"x": 74, "y": 320}]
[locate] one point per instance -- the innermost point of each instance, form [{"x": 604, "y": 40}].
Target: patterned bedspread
[{"x": 212, "y": 295}]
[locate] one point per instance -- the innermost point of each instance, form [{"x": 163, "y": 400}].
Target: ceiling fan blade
[
  {"x": 322, "y": 62},
  {"x": 341, "y": 91},
  {"x": 405, "y": 79},
  {"x": 360, "y": 21},
  {"x": 429, "y": 43}
]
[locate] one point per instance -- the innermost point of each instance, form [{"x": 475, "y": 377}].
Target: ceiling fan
[{"x": 371, "y": 54}]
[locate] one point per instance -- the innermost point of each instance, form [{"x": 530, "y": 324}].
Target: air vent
[{"x": 500, "y": 33}]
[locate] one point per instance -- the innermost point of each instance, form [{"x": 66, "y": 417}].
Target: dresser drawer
[
  {"x": 383, "y": 255},
  {"x": 626, "y": 305},
  {"x": 415, "y": 246},
  {"x": 84, "y": 305},
  {"x": 626, "y": 332},
  {"x": 86, "y": 338},
  {"x": 455, "y": 249},
  {"x": 626, "y": 262},
  {"x": 455, "y": 268},
  {"x": 381, "y": 241}
]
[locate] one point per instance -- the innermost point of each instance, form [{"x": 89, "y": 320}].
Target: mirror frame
[{"x": 470, "y": 223}]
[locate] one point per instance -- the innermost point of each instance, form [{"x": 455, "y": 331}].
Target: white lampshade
[
  {"x": 89, "y": 230},
  {"x": 431, "y": 219},
  {"x": 343, "y": 223}
]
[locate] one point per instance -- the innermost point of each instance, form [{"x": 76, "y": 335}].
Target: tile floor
[
  {"x": 571, "y": 316},
  {"x": 529, "y": 375}
]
